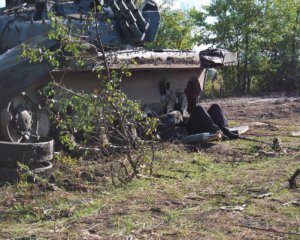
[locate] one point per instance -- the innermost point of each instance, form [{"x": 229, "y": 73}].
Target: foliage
[
  {"x": 138, "y": 3},
  {"x": 104, "y": 122},
  {"x": 72, "y": 45},
  {"x": 175, "y": 30},
  {"x": 264, "y": 33}
]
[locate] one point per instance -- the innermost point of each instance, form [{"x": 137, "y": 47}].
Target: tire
[
  {"x": 9, "y": 175},
  {"x": 42, "y": 169},
  {"x": 26, "y": 153}
]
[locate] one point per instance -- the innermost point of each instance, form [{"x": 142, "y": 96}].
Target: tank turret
[{"x": 128, "y": 26}]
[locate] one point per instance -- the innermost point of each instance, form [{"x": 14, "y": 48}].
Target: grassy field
[{"x": 224, "y": 190}]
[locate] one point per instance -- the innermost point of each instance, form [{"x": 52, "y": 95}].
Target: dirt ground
[{"x": 222, "y": 190}]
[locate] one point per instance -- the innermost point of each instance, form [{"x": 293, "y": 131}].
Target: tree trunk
[
  {"x": 248, "y": 84},
  {"x": 238, "y": 67},
  {"x": 245, "y": 70},
  {"x": 294, "y": 48}
]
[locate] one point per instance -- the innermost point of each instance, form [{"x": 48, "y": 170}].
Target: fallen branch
[
  {"x": 269, "y": 230},
  {"x": 292, "y": 180},
  {"x": 273, "y": 145},
  {"x": 147, "y": 177}
]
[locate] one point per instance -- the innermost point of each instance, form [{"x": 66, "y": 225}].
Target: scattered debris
[
  {"x": 233, "y": 208},
  {"x": 295, "y": 134},
  {"x": 52, "y": 187},
  {"x": 264, "y": 195},
  {"x": 267, "y": 154},
  {"x": 295, "y": 203},
  {"x": 257, "y": 124},
  {"x": 260, "y": 193}
]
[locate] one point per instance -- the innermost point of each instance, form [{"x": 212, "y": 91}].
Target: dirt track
[{"x": 260, "y": 109}]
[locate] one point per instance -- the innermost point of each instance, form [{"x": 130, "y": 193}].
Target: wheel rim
[{"x": 19, "y": 120}]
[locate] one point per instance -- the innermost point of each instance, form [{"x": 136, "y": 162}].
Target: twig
[
  {"x": 255, "y": 140},
  {"x": 269, "y": 230},
  {"x": 92, "y": 227},
  {"x": 124, "y": 166},
  {"x": 152, "y": 156},
  {"x": 100, "y": 42},
  {"x": 61, "y": 87}
]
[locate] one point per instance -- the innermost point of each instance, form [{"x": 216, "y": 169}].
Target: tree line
[{"x": 265, "y": 33}]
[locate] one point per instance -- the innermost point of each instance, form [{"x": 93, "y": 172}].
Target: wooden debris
[{"x": 233, "y": 208}]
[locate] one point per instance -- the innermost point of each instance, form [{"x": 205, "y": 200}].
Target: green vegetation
[
  {"x": 264, "y": 33},
  {"x": 103, "y": 124},
  {"x": 174, "y": 32}
]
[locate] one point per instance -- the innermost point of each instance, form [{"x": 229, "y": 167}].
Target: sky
[
  {"x": 2, "y": 3},
  {"x": 184, "y": 4}
]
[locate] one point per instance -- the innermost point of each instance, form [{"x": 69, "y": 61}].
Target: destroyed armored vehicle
[
  {"x": 22, "y": 119},
  {"x": 164, "y": 73}
]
